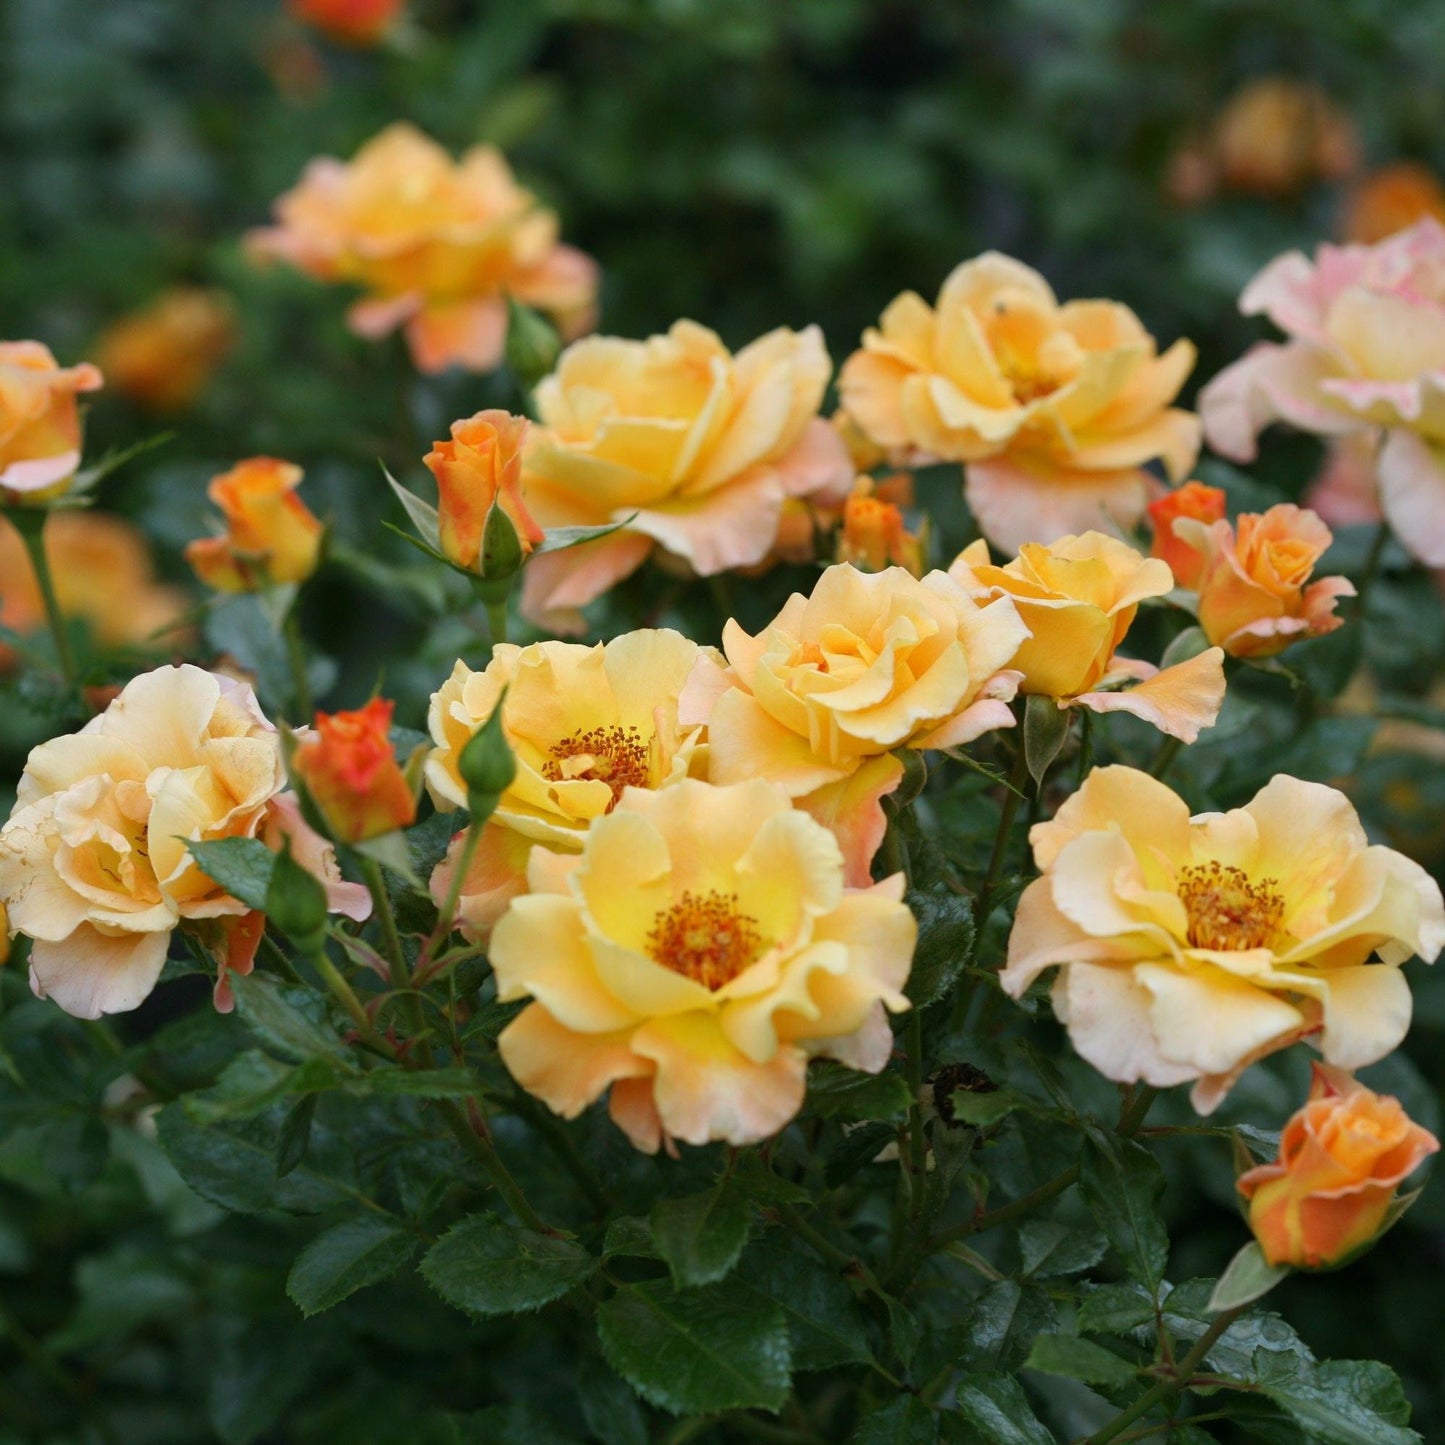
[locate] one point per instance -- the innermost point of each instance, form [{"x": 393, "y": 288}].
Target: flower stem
[
  {"x": 485, "y": 1153},
  {"x": 34, "y": 536},
  {"x": 296, "y": 658},
  {"x": 497, "y": 620},
  {"x": 446, "y": 919},
  {"x": 1164, "y": 759},
  {"x": 401, "y": 979},
  {"x": 1013, "y": 796},
  {"x": 1371, "y": 570}
]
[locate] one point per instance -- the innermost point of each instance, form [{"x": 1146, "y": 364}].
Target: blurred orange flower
[
  {"x": 39, "y": 420},
  {"x": 1392, "y": 199},
  {"x": 1341, "y": 1161},
  {"x": 1193, "y": 499},
  {"x": 874, "y": 533},
  {"x": 351, "y": 22},
  {"x": 436, "y": 244},
  {"x": 163, "y": 355},
  {"x": 271, "y": 535},
  {"x": 1275, "y": 135}
]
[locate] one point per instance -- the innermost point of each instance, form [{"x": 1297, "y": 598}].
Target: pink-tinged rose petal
[
  {"x": 852, "y": 810},
  {"x": 733, "y": 526},
  {"x": 1412, "y": 493},
  {"x": 1179, "y": 701},
  {"x": 92, "y": 973},
  {"x": 470, "y": 334},
  {"x": 373, "y": 319},
  {"x": 557, "y": 585},
  {"x": 1017, "y": 500},
  {"x": 818, "y": 466},
  {"x": 316, "y": 856},
  {"x": 38, "y": 473}
]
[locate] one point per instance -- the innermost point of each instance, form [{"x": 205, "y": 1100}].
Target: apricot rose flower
[
  {"x": 436, "y": 244},
  {"x": 692, "y": 449},
  {"x": 1187, "y": 948},
  {"x": 870, "y": 662},
  {"x": 271, "y": 534},
  {"x": 1079, "y": 596},
  {"x": 39, "y": 419},
  {"x": 1366, "y": 353},
  {"x": 693, "y": 957},
  {"x": 1055, "y": 410}
]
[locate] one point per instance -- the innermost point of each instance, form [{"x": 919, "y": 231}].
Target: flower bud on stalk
[
  {"x": 296, "y": 903},
  {"x": 351, "y": 773},
  {"x": 487, "y": 766}
]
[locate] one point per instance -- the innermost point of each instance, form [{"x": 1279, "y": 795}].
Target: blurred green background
[{"x": 747, "y": 163}]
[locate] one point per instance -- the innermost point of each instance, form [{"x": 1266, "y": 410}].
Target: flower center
[
  {"x": 616, "y": 756},
  {"x": 704, "y": 937},
  {"x": 1226, "y": 910}
]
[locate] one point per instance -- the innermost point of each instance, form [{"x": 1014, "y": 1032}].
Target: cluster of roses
[{"x": 676, "y": 869}]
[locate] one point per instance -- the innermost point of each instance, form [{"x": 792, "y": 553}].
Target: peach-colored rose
[
  {"x": 870, "y": 662},
  {"x": 351, "y": 773},
  {"x": 693, "y": 449},
  {"x": 1078, "y": 596},
  {"x": 1366, "y": 354},
  {"x": 1391, "y": 200},
  {"x": 103, "y": 575},
  {"x": 1255, "y": 596},
  {"x": 1342, "y": 1159},
  {"x": 1276, "y": 134},
  {"x": 350, "y": 22},
  {"x": 693, "y": 957},
  {"x": 1054, "y": 409},
  {"x": 874, "y": 534},
  {"x": 1193, "y": 499},
  {"x": 271, "y": 535},
  {"x": 436, "y": 244},
  {"x": 481, "y": 464},
  {"x": 163, "y": 355},
  {"x": 39, "y": 421},
  {"x": 1187, "y": 948},
  {"x": 583, "y": 724}
]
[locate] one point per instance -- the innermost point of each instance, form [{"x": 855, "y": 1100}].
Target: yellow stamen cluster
[
  {"x": 616, "y": 756},
  {"x": 1227, "y": 910},
  {"x": 704, "y": 937}
]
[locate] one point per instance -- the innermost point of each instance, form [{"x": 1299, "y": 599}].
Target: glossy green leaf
[
  {"x": 348, "y": 1257},
  {"x": 700, "y": 1235},
  {"x": 486, "y": 1266}
]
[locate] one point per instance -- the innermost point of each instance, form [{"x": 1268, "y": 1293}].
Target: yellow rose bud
[
  {"x": 271, "y": 535},
  {"x": 1342, "y": 1159},
  {"x": 1187, "y": 948},
  {"x": 39, "y": 421},
  {"x": 1255, "y": 596},
  {"x": 352, "y": 775},
  {"x": 692, "y": 958},
  {"x": 480, "y": 466},
  {"x": 1078, "y": 597}
]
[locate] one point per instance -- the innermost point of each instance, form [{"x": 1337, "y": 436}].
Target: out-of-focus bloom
[
  {"x": 93, "y": 860},
  {"x": 1344, "y": 491},
  {"x": 481, "y": 464},
  {"x": 1342, "y": 1159},
  {"x": 350, "y": 22},
  {"x": 1366, "y": 353},
  {"x": 1188, "y": 948},
  {"x": 874, "y": 534},
  {"x": 39, "y": 421},
  {"x": 693, "y": 449},
  {"x": 1193, "y": 499},
  {"x": 436, "y": 244},
  {"x": 583, "y": 723},
  {"x": 1255, "y": 596},
  {"x": 1275, "y": 135},
  {"x": 271, "y": 535},
  {"x": 1055, "y": 409},
  {"x": 1391, "y": 200},
  {"x": 4, "y": 936},
  {"x": 163, "y": 355},
  {"x": 350, "y": 770},
  {"x": 1078, "y": 596},
  {"x": 870, "y": 662},
  {"x": 694, "y": 956},
  {"x": 103, "y": 574}
]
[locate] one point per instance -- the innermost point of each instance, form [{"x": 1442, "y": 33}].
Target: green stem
[
  {"x": 497, "y": 620},
  {"x": 277, "y": 956},
  {"x": 391, "y": 945},
  {"x": 485, "y": 1153},
  {"x": 1132, "y": 1117},
  {"x": 1168, "y": 1387},
  {"x": 1372, "y": 567},
  {"x": 1164, "y": 759},
  {"x": 553, "y": 1131},
  {"x": 1013, "y": 796},
  {"x": 336, "y": 982},
  {"x": 35, "y": 545},
  {"x": 1086, "y": 745},
  {"x": 296, "y": 658},
  {"x": 446, "y": 919}
]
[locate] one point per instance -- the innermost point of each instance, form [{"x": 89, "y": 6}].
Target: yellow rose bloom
[
  {"x": 870, "y": 662},
  {"x": 1056, "y": 409},
  {"x": 583, "y": 723},
  {"x": 435, "y": 243},
  {"x": 694, "y": 449},
  {"x": 1187, "y": 948},
  {"x": 94, "y": 867},
  {"x": 1079, "y": 597},
  {"x": 693, "y": 957}
]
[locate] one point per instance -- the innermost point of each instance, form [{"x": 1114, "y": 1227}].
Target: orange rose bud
[
  {"x": 1392, "y": 199},
  {"x": 271, "y": 535},
  {"x": 162, "y": 356},
  {"x": 874, "y": 536},
  {"x": 349, "y": 769},
  {"x": 1341, "y": 1160},
  {"x": 1193, "y": 499},
  {"x": 350, "y": 22},
  {"x": 1255, "y": 596},
  {"x": 481, "y": 464},
  {"x": 39, "y": 421}
]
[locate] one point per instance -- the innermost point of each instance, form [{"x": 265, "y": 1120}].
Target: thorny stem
[
  {"x": 296, "y": 658},
  {"x": 1171, "y": 1385},
  {"x": 1013, "y": 796},
  {"x": 484, "y": 1152},
  {"x": 35, "y": 545},
  {"x": 391, "y": 944}
]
